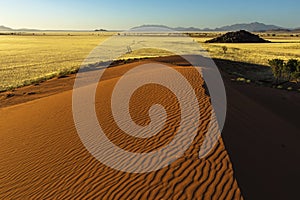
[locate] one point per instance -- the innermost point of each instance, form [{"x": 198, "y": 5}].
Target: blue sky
[{"x": 113, "y": 14}]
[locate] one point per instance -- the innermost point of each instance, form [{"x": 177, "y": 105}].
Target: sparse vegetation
[
  {"x": 285, "y": 71},
  {"x": 282, "y": 47},
  {"x": 224, "y": 48},
  {"x": 277, "y": 68},
  {"x": 26, "y": 58}
]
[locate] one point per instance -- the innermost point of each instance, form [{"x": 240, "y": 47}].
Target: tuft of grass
[{"x": 241, "y": 79}]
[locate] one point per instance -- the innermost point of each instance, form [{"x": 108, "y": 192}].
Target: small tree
[
  {"x": 277, "y": 68},
  {"x": 129, "y": 49},
  {"x": 296, "y": 76},
  {"x": 290, "y": 68},
  {"x": 224, "y": 48}
]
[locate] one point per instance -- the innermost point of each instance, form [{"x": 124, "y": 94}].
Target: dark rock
[
  {"x": 10, "y": 94},
  {"x": 241, "y": 36}
]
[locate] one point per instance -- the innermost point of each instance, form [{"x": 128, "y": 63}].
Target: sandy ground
[
  {"x": 42, "y": 156},
  {"x": 261, "y": 135}
]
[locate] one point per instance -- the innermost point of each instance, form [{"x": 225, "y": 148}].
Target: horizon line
[{"x": 162, "y": 25}]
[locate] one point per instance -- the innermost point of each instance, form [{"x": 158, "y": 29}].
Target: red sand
[{"x": 43, "y": 157}]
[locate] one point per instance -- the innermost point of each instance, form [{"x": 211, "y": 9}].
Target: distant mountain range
[
  {"x": 253, "y": 27},
  {"x": 4, "y": 28},
  {"x": 7, "y": 29}
]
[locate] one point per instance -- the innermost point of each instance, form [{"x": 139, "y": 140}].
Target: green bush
[
  {"x": 277, "y": 68},
  {"x": 287, "y": 71}
]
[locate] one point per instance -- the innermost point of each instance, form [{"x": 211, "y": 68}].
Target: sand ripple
[{"x": 42, "y": 156}]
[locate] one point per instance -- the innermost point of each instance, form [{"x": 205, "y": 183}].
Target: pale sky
[{"x": 114, "y": 14}]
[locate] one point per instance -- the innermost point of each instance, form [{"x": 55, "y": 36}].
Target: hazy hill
[
  {"x": 255, "y": 26},
  {"x": 4, "y": 28},
  {"x": 297, "y": 29}
]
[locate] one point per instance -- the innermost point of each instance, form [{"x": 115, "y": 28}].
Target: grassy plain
[
  {"x": 283, "y": 46},
  {"x": 32, "y": 57},
  {"x": 25, "y": 59}
]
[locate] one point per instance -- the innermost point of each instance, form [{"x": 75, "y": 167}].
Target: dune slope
[{"x": 42, "y": 156}]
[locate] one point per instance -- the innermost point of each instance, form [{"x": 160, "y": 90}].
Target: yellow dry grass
[
  {"x": 32, "y": 57},
  {"x": 257, "y": 53},
  {"x": 25, "y": 59}
]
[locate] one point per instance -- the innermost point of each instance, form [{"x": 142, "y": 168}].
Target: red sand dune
[{"x": 43, "y": 157}]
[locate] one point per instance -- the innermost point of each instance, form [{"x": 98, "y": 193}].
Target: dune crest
[{"x": 45, "y": 158}]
